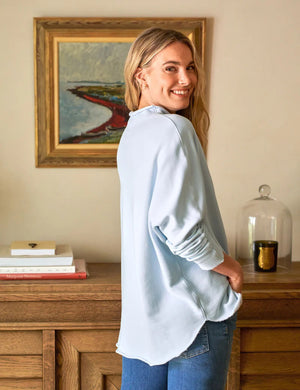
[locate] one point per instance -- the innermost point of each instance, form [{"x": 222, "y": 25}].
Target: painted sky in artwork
[{"x": 92, "y": 61}]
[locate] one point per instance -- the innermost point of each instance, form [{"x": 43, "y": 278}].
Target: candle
[{"x": 265, "y": 255}]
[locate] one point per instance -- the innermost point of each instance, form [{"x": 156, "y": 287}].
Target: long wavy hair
[{"x": 149, "y": 43}]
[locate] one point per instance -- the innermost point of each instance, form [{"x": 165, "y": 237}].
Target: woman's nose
[{"x": 184, "y": 78}]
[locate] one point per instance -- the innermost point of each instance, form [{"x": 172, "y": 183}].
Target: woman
[{"x": 180, "y": 290}]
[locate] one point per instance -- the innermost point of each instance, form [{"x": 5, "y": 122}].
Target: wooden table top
[{"x": 105, "y": 278}]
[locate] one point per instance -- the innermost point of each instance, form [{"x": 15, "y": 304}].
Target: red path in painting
[{"x": 117, "y": 121}]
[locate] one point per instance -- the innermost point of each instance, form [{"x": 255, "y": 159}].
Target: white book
[
  {"x": 58, "y": 269},
  {"x": 63, "y": 256},
  {"x": 33, "y": 248}
]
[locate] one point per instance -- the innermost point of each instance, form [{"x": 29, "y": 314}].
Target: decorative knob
[{"x": 264, "y": 190}]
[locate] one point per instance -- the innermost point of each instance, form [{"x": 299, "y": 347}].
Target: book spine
[
  {"x": 37, "y": 276},
  {"x": 37, "y": 270},
  {"x": 35, "y": 262},
  {"x": 37, "y": 252}
]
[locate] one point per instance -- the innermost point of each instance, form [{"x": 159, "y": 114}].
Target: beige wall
[{"x": 253, "y": 55}]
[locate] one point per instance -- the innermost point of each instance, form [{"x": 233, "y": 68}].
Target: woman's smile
[{"x": 183, "y": 92}]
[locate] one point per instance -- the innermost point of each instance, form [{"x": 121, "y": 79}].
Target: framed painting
[{"x": 80, "y": 111}]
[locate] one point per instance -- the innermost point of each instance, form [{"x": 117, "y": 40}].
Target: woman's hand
[
  {"x": 236, "y": 283},
  {"x": 233, "y": 270}
]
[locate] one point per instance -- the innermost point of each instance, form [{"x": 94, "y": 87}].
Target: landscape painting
[{"x": 91, "y": 92}]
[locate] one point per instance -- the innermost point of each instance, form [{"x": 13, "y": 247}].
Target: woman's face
[{"x": 170, "y": 79}]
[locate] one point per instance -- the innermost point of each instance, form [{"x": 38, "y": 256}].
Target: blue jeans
[{"x": 203, "y": 366}]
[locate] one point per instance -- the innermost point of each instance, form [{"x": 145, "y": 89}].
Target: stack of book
[{"x": 39, "y": 260}]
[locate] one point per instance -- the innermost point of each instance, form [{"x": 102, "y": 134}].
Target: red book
[{"x": 80, "y": 273}]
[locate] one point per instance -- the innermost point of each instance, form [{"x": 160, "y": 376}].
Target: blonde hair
[{"x": 149, "y": 43}]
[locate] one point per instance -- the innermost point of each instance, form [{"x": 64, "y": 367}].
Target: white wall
[{"x": 253, "y": 56}]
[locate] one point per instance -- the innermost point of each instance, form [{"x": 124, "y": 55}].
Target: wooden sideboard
[{"x": 62, "y": 334}]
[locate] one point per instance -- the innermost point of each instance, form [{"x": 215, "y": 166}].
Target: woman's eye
[
  {"x": 191, "y": 67},
  {"x": 170, "y": 69}
]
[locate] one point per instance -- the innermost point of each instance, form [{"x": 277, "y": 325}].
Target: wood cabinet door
[
  {"x": 270, "y": 358},
  {"x": 27, "y": 359},
  {"x": 86, "y": 360}
]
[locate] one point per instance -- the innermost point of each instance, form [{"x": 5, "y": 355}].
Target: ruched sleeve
[{"x": 179, "y": 199}]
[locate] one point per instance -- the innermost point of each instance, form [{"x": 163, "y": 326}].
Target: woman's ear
[{"x": 140, "y": 77}]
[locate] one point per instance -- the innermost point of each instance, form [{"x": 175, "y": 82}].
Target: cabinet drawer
[
  {"x": 270, "y": 339},
  {"x": 21, "y": 360},
  {"x": 260, "y": 382},
  {"x": 21, "y": 342}
]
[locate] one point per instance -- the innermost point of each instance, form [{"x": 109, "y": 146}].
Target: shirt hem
[
  {"x": 167, "y": 358},
  {"x": 194, "y": 335}
]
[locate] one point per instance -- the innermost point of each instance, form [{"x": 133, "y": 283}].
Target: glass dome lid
[{"x": 264, "y": 223}]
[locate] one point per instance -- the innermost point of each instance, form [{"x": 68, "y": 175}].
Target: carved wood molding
[{"x": 86, "y": 360}]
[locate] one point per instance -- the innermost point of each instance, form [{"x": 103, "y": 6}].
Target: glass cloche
[{"x": 264, "y": 234}]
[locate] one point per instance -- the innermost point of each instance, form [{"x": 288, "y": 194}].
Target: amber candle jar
[{"x": 265, "y": 255}]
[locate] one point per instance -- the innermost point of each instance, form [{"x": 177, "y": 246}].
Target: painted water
[{"x": 77, "y": 115}]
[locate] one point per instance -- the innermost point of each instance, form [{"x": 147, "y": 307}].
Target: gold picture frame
[{"x": 58, "y": 45}]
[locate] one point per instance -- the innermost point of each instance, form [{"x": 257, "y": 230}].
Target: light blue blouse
[{"x": 172, "y": 238}]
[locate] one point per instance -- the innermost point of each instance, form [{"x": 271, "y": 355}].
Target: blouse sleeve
[{"x": 178, "y": 205}]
